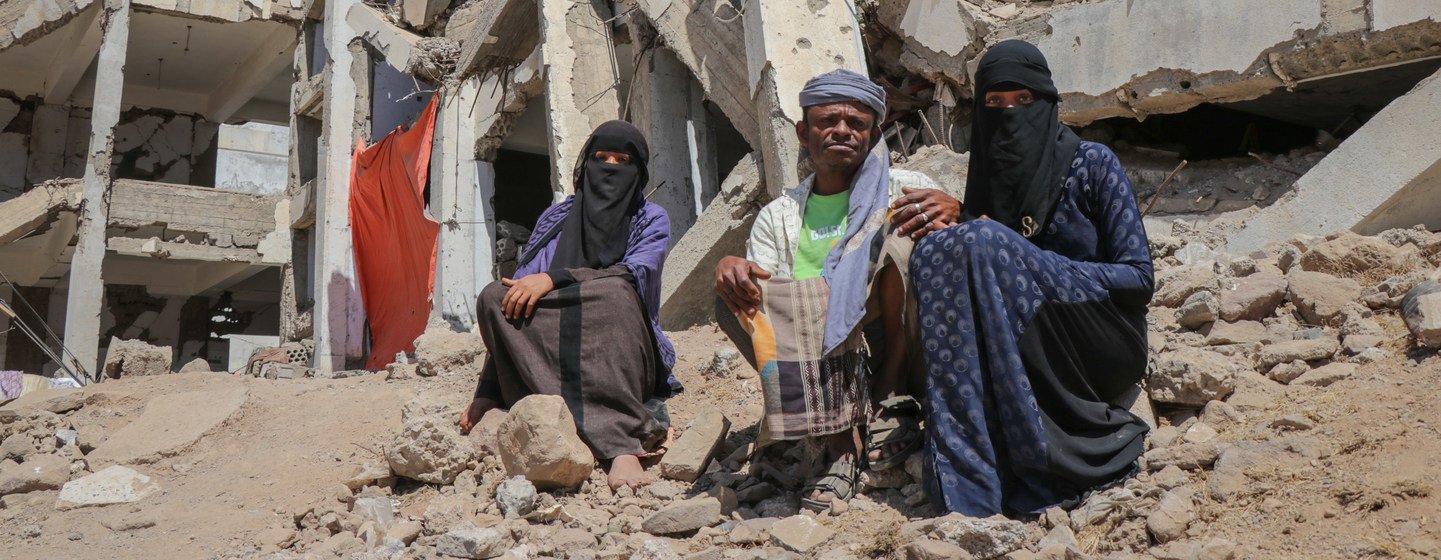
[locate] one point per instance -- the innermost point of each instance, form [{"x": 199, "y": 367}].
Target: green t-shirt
[{"x": 823, "y": 225}]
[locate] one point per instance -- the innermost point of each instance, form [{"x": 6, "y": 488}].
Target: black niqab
[
  {"x": 596, "y": 231},
  {"x": 1020, "y": 156}
]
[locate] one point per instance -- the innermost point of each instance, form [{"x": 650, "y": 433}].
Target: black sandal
[
  {"x": 839, "y": 480},
  {"x": 897, "y": 422}
]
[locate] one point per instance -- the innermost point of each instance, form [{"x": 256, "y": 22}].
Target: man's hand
[
  {"x": 922, "y": 211},
  {"x": 519, "y": 300},
  {"x": 734, "y": 284}
]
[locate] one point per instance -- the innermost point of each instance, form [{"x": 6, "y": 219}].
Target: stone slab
[{"x": 169, "y": 425}]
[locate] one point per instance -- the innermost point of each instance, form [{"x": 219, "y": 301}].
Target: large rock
[
  {"x": 1176, "y": 284},
  {"x": 538, "y": 441},
  {"x": 41, "y": 472},
  {"x": 440, "y": 351},
  {"x": 430, "y": 450},
  {"x": 170, "y": 425},
  {"x": 1293, "y": 350},
  {"x": 1320, "y": 297},
  {"x": 1240, "y": 332},
  {"x": 1254, "y": 298},
  {"x": 1192, "y": 377},
  {"x": 1351, "y": 255},
  {"x": 1190, "y": 456},
  {"x": 130, "y": 358},
  {"x": 687, "y": 459},
  {"x": 114, "y": 485},
  {"x": 992, "y": 537},
  {"x": 684, "y": 515},
  {"x": 1421, "y": 308}
]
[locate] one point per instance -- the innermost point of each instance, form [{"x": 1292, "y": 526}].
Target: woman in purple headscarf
[{"x": 579, "y": 319}]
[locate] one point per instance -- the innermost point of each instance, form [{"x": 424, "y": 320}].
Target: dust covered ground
[{"x": 1259, "y": 461}]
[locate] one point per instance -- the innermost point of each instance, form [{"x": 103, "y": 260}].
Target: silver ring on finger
[
  {"x": 917, "y": 207},
  {"x": 925, "y": 218}
]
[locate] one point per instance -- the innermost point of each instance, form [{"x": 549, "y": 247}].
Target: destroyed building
[{"x": 180, "y": 171}]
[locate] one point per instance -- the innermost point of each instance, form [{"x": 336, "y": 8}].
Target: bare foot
[
  {"x": 625, "y": 470},
  {"x": 473, "y": 413}
]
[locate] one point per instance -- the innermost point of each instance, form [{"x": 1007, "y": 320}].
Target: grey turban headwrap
[{"x": 840, "y": 86}]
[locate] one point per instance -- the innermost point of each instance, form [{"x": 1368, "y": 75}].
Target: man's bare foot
[
  {"x": 625, "y": 470},
  {"x": 473, "y": 413}
]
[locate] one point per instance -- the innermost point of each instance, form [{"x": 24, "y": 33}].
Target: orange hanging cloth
[{"x": 395, "y": 242}]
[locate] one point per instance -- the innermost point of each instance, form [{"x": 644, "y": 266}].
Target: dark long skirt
[
  {"x": 588, "y": 342},
  {"x": 1024, "y": 355}
]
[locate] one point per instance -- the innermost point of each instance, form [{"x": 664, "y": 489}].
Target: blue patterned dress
[{"x": 1028, "y": 342}]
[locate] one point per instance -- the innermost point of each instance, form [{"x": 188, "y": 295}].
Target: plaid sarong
[{"x": 807, "y": 393}]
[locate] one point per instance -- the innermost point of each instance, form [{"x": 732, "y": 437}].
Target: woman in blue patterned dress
[{"x": 1032, "y": 313}]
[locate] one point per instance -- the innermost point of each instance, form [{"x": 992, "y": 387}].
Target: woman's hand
[
  {"x": 922, "y": 211},
  {"x": 519, "y": 301}
]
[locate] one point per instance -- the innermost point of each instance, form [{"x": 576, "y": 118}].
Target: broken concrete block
[
  {"x": 1351, "y": 255},
  {"x": 697, "y": 445},
  {"x": 1255, "y": 297},
  {"x": 40, "y": 472},
  {"x": 516, "y": 497},
  {"x": 1176, "y": 284},
  {"x": 538, "y": 441},
  {"x": 1192, "y": 377},
  {"x": 429, "y": 450},
  {"x": 799, "y": 533},
  {"x": 1320, "y": 297},
  {"x": 1421, "y": 308},
  {"x": 1307, "y": 350},
  {"x": 440, "y": 351},
  {"x": 1199, "y": 310},
  {"x": 991, "y": 537},
  {"x": 114, "y": 485},
  {"x": 129, "y": 358},
  {"x": 684, "y": 515},
  {"x": 472, "y": 542}
]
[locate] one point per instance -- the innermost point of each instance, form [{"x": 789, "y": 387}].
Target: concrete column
[
  {"x": 1386, "y": 175},
  {"x": 87, "y": 288},
  {"x": 464, "y": 186},
  {"x": 339, "y": 317},
  {"x": 786, "y": 44},
  {"x": 662, "y": 108},
  {"x": 580, "y": 79}
]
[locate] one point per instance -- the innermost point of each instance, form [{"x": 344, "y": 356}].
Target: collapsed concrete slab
[
  {"x": 22, "y": 215},
  {"x": 170, "y": 425},
  {"x": 1386, "y": 175},
  {"x": 705, "y": 41},
  {"x": 1133, "y": 58}
]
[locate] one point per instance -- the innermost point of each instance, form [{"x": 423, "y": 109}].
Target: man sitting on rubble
[{"x": 824, "y": 255}]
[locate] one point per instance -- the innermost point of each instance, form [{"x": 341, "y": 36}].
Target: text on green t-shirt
[{"x": 822, "y": 226}]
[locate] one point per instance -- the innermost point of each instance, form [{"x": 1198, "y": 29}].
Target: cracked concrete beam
[
  {"x": 23, "y": 21},
  {"x": 23, "y": 214},
  {"x": 581, "y": 79},
  {"x": 69, "y": 65},
  {"x": 704, "y": 34},
  {"x": 226, "y": 11},
  {"x": 272, "y": 57},
  {"x": 393, "y": 43},
  {"x": 503, "y": 34},
  {"x": 135, "y": 247},
  {"x": 780, "y": 57},
  {"x": 937, "y": 37},
  {"x": 503, "y": 103},
  {"x": 419, "y": 14},
  {"x": 1386, "y": 175},
  {"x": 1134, "y": 58}
]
